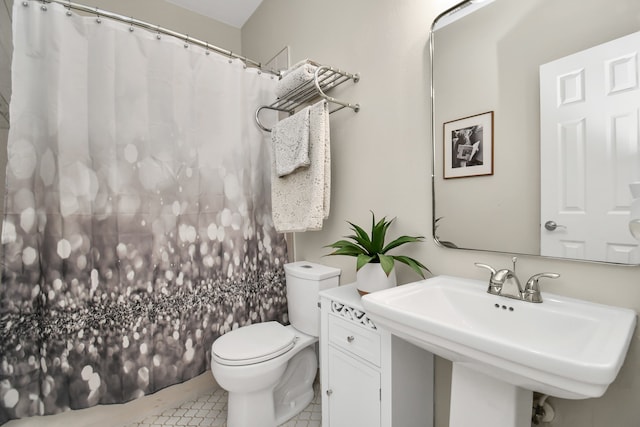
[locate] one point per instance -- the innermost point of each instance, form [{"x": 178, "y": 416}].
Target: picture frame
[{"x": 468, "y": 146}]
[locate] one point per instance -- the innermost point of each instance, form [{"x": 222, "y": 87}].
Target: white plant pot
[{"x": 371, "y": 277}]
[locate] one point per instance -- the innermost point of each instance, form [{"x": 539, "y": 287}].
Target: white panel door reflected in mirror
[{"x": 589, "y": 104}]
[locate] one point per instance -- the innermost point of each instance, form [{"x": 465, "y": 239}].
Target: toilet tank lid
[{"x": 310, "y": 270}]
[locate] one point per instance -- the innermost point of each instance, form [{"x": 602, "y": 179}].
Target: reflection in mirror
[{"x": 561, "y": 78}]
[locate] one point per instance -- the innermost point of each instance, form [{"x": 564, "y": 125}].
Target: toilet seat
[{"x": 253, "y": 344}]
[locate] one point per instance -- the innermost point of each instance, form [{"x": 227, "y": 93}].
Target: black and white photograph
[{"x": 468, "y": 146}]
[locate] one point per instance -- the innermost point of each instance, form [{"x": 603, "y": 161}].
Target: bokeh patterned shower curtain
[{"x": 138, "y": 217}]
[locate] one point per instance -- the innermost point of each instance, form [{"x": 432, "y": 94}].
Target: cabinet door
[{"x": 355, "y": 392}]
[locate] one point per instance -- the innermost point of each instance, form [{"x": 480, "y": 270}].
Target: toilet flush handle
[{"x": 350, "y": 338}]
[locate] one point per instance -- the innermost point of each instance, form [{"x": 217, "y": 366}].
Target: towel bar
[{"x": 324, "y": 78}]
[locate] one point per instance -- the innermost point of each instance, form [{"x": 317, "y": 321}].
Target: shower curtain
[{"x": 137, "y": 221}]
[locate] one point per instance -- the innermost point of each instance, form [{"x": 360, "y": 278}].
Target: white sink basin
[{"x": 562, "y": 347}]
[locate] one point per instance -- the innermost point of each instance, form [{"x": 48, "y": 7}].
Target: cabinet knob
[
  {"x": 350, "y": 338},
  {"x": 329, "y": 392}
]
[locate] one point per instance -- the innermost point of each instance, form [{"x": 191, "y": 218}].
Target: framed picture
[{"x": 468, "y": 146}]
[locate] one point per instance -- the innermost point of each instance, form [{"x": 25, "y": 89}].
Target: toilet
[{"x": 267, "y": 368}]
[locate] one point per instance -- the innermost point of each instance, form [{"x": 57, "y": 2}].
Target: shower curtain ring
[
  {"x": 25, "y": 3},
  {"x": 158, "y": 36},
  {"x": 207, "y": 49},
  {"x": 69, "y": 8},
  {"x": 44, "y": 6},
  {"x": 186, "y": 41},
  {"x": 98, "y": 20},
  {"x": 131, "y": 24},
  {"x": 230, "y": 57}
]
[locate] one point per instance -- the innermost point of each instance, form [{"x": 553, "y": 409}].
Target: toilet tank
[{"x": 305, "y": 280}]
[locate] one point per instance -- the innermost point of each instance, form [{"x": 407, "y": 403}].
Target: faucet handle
[
  {"x": 533, "y": 280},
  {"x": 494, "y": 288},
  {"x": 532, "y": 288},
  {"x": 488, "y": 267}
]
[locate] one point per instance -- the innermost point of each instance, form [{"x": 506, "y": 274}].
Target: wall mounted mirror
[{"x": 536, "y": 116}]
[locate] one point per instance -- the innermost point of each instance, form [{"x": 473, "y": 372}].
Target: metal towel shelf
[{"x": 324, "y": 78}]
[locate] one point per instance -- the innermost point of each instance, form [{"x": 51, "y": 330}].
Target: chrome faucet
[{"x": 505, "y": 283}]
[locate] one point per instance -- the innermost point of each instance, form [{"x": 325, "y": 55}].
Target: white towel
[
  {"x": 290, "y": 143},
  {"x": 300, "y": 201},
  {"x": 297, "y": 75}
]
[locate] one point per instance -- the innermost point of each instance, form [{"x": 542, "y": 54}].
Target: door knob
[{"x": 551, "y": 225}]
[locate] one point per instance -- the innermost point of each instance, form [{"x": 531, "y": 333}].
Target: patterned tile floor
[{"x": 211, "y": 410}]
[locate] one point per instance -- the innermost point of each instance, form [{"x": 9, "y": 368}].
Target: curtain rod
[{"x": 154, "y": 28}]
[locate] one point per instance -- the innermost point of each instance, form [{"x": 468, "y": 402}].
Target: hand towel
[
  {"x": 297, "y": 65},
  {"x": 290, "y": 143},
  {"x": 319, "y": 126},
  {"x": 300, "y": 200},
  {"x": 294, "y": 77}
]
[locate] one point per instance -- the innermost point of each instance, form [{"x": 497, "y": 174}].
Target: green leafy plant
[{"x": 371, "y": 248}]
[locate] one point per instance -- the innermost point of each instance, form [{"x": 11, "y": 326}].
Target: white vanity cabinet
[{"x": 369, "y": 378}]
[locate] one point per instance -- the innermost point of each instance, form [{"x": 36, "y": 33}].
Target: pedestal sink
[{"x": 504, "y": 349}]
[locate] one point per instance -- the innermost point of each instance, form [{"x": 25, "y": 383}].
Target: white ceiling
[{"x": 232, "y": 12}]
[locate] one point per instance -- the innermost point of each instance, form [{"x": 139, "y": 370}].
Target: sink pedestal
[{"x": 478, "y": 399}]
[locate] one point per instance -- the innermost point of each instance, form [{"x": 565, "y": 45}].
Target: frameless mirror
[{"x": 536, "y": 116}]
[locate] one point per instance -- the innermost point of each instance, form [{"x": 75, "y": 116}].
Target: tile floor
[{"x": 211, "y": 410}]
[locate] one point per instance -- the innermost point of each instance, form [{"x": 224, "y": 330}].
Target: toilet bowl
[{"x": 267, "y": 368}]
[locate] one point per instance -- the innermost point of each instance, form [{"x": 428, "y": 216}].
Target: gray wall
[
  {"x": 381, "y": 161},
  {"x": 381, "y": 156}
]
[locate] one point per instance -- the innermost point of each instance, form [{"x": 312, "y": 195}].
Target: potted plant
[{"x": 374, "y": 266}]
